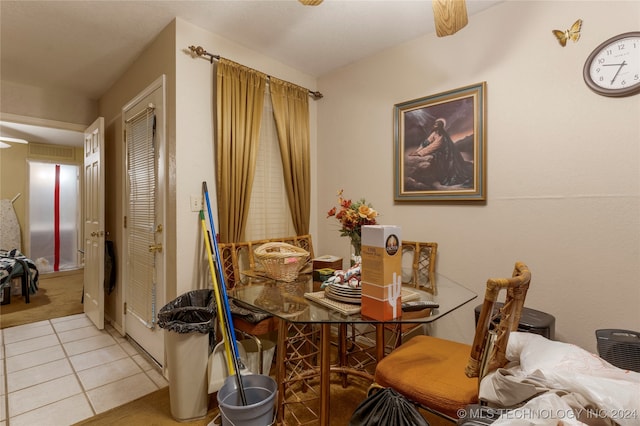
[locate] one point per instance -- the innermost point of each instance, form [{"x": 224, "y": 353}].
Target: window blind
[
  {"x": 141, "y": 177},
  {"x": 269, "y": 215}
]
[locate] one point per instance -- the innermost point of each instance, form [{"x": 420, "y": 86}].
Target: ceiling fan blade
[
  {"x": 310, "y": 2},
  {"x": 450, "y": 16}
]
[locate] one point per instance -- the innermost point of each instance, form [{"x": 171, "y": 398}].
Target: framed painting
[{"x": 440, "y": 147}]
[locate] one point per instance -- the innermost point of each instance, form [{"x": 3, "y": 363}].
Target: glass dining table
[{"x": 313, "y": 326}]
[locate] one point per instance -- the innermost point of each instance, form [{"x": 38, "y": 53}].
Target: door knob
[
  {"x": 94, "y": 234},
  {"x": 155, "y": 248}
]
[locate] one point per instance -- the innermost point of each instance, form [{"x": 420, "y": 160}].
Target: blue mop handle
[{"x": 225, "y": 299}]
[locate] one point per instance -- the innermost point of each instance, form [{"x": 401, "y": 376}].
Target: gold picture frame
[{"x": 440, "y": 146}]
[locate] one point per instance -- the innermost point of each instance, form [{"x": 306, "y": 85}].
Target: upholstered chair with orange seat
[{"x": 443, "y": 376}]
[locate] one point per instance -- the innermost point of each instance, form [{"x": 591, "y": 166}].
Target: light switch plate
[{"x": 196, "y": 203}]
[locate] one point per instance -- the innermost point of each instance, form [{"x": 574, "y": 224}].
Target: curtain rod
[{"x": 199, "y": 51}]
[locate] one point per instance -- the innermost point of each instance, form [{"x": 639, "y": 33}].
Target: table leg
[
  {"x": 379, "y": 341},
  {"x": 281, "y": 349},
  {"x": 325, "y": 370},
  {"x": 342, "y": 350}
]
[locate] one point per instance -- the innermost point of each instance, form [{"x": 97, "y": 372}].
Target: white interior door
[
  {"x": 144, "y": 202},
  {"x": 94, "y": 234}
]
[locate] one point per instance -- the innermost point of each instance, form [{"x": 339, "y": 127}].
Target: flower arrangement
[{"x": 352, "y": 216}]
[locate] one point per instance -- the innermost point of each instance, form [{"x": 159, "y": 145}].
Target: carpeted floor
[{"x": 58, "y": 295}]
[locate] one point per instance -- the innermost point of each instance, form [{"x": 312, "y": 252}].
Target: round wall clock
[{"x": 613, "y": 68}]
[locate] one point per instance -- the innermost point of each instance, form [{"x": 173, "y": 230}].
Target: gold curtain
[
  {"x": 291, "y": 112},
  {"x": 240, "y": 101}
]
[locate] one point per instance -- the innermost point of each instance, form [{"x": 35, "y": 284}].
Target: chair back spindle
[
  {"x": 423, "y": 264},
  {"x": 509, "y": 314}
]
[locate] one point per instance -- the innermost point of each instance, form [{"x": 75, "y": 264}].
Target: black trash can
[
  {"x": 531, "y": 321},
  {"x": 189, "y": 323}
]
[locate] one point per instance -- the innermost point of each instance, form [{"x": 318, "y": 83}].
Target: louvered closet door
[{"x": 143, "y": 226}]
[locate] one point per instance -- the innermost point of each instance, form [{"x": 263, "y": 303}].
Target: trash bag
[
  {"x": 387, "y": 407},
  {"x": 194, "y": 311},
  {"x": 249, "y": 314}
]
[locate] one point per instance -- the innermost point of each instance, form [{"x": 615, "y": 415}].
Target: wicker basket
[{"x": 281, "y": 261}]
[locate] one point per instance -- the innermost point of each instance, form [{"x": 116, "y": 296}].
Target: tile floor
[{"x": 61, "y": 371}]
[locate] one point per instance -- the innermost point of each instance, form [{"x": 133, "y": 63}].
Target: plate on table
[
  {"x": 344, "y": 289},
  {"x": 344, "y": 299},
  {"x": 342, "y": 295}
]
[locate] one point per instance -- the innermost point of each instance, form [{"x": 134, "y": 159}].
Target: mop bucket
[{"x": 260, "y": 392}]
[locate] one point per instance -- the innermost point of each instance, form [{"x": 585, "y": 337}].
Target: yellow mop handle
[{"x": 227, "y": 344}]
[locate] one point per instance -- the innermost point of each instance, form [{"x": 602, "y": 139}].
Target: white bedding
[{"x": 613, "y": 393}]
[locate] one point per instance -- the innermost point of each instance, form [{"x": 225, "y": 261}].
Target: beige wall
[
  {"x": 157, "y": 59},
  {"x": 13, "y": 180},
  {"x": 190, "y": 156},
  {"x": 563, "y": 164},
  {"x": 39, "y": 107},
  {"x": 194, "y": 156},
  {"x": 36, "y": 102}
]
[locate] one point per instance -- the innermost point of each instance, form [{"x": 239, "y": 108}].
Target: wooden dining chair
[
  {"x": 422, "y": 258},
  {"x": 249, "y": 323},
  {"x": 418, "y": 270},
  {"x": 443, "y": 376},
  {"x": 229, "y": 263},
  {"x": 239, "y": 266}
]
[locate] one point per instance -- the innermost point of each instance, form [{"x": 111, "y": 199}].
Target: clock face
[{"x": 613, "y": 68}]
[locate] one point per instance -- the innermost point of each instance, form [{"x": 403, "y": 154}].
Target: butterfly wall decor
[{"x": 572, "y": 34}]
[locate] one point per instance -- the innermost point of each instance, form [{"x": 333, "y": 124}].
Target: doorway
[
  {"x": 143, "y": 199},
  {"x": 49, "y": 144},
  {"x": 54, "y": 211}
]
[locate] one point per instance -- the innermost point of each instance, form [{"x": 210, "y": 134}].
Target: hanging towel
[{"x": 9, "y": 227}]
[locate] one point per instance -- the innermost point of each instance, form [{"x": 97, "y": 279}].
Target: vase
[{"x": 356, "y": 248}]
